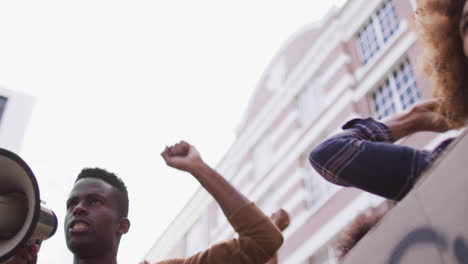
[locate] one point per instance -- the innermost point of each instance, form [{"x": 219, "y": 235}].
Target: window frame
[
  {"x": 375, "y": 22},
  {"x": 313, "y": 90},
  {"x": 396, "y": 100}
]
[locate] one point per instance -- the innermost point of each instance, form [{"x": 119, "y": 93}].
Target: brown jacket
[{"x": 258, "y": 241}]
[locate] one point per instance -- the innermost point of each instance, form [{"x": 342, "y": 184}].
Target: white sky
[{"x": 116, "y": 81}]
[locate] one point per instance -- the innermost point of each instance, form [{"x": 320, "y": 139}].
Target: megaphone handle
[{"x": 25, "y": 255}]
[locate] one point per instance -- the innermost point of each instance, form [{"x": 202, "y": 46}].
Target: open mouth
[{"x": 78, "y": 227}]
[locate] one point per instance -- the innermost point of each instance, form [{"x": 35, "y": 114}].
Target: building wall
[
  {"x": 15, "y": 112},
  {"x": 319, "y": 79}
]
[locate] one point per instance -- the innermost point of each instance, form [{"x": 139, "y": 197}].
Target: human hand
[
  {"x": 426, "y": 117},
  {"x": 25, "y": 255},
  {"x": 420, "y": 117},
  {"x": 182, "y": 156},
  {"x": 281, "y": 219}
]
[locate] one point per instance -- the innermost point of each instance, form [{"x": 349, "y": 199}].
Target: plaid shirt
[{"x": 364, "y": 157}]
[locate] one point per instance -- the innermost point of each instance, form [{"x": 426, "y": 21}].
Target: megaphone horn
[{"x": 23, "y": 218}]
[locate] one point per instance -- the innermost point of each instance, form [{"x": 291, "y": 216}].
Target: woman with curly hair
[
  {"x": 442, "y": 27},
  {"x": 363, "y": 155}
]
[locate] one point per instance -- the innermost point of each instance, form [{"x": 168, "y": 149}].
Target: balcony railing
[{"x": 430, "y": 224}]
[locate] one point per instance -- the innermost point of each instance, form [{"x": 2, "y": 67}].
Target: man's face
[
  {"x": 92, "y": 221},
  {"x": 464, "y": 28}
]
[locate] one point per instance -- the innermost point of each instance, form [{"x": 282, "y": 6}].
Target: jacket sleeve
[
  {"x": 258, "y": 241},
  {"x": 364, "y": 157}
]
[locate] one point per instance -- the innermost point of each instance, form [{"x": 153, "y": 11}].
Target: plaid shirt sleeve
[{"x": 364, "y": 157}]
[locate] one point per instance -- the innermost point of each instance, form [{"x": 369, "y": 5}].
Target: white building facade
[
  {"x": 358, "y": 61},
  {"x": 15, "y": 113}
]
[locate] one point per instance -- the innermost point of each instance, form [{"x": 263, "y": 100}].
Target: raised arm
[
  {"x": 259, "y": 238},
  {"x": 185, "y": 157},
  {"x": 362, "y": 155}
]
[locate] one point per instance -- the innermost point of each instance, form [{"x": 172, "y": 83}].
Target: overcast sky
[{"x": 116, "y": 81}]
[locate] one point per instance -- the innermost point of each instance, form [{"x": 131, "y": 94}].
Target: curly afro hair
[
  {"x": 359, "y": 227},
  {"x": 443, "y": 60}
]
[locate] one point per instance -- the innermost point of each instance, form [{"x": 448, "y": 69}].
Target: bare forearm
[
  {"x": 401, "y": 125},
  {"x": 229, "y": 199},
  {"x": 420, "y": 117}
]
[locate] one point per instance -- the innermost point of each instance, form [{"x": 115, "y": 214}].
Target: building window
[
  {"x": 368, "y": 41},
  {"x": 3, "y": 102},
  {"x": 374, "y": 35},
  {"x": 194, "y": 239},
  {"x": 277, "y": 75},
  {"x": 388, "y": 20},
  {"x": 310, "y": 102},
  {"x": 262, "y": 156},
  {"x": 406, "y": 84},
  {"x": 318, "y": 190},
  {"x": 383, "y": 100},
  {"x": 397, "y": 92},
  {"x": 265, "y": 202}
]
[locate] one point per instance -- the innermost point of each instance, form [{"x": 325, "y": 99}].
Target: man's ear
[{"x": 124, "y": 225}]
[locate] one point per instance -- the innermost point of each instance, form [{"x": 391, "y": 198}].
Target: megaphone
[{"x": 23, "y": 218}]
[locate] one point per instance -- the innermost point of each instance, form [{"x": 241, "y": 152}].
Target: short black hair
[{"x": 110, "y": 178}]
